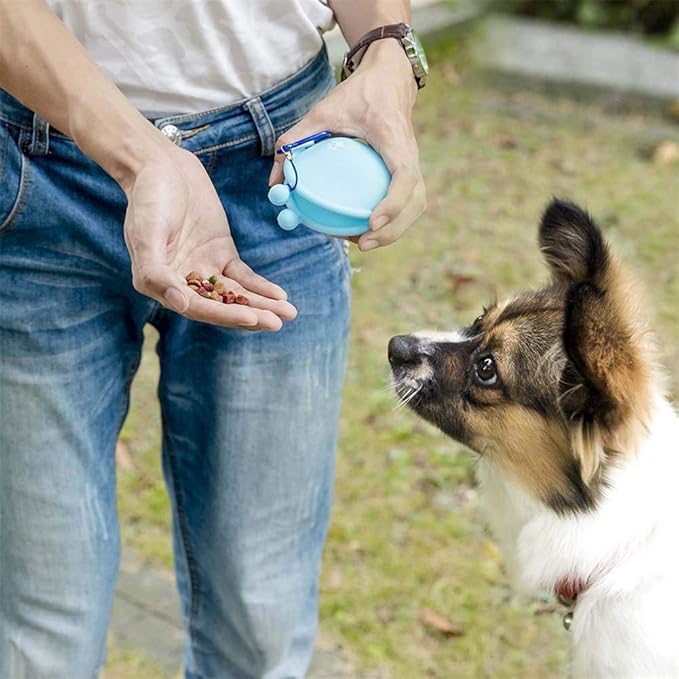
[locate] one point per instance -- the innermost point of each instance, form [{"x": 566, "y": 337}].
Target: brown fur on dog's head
[{"x": 551, "y": 385}]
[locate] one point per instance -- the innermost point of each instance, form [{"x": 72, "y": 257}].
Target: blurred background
[
  {"x": 526, "y": 99},
  {"x": 646, "y": 17}
]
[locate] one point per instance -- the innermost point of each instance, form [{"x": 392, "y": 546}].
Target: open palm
[{"x": 175, "y": 224}]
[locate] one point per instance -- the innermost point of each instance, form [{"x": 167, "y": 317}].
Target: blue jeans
[{"x": 249, "y": 419}]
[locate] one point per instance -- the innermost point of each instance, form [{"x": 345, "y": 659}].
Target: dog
[{"x": 559, "y": 394}]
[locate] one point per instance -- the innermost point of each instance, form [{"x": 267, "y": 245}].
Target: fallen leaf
[
  {"x": 123, "y": 457},
  {"x": 458, "y": 280},
  {"x": 505, "y": 142},
  {"x": 438, "y": 623},
  {"x": 665, "y": 153}
]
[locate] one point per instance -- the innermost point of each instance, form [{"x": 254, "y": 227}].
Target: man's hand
[
  {"x": 175, "y": 224},
  {"x": 375, "y": 104}
]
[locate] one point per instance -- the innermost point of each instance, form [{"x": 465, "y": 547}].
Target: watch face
[{"x": 420, "y": 52}]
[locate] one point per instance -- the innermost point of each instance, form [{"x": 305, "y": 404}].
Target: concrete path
[
  {"x": 563, "y": 54},
  {"x": 146, "y": 620},
  {"x": 146, "y": 614}
]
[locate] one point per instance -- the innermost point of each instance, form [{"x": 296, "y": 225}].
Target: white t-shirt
[{"x": 187, "y": 56}]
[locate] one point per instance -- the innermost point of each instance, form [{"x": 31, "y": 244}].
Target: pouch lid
[{"x": 340, "y": 174}]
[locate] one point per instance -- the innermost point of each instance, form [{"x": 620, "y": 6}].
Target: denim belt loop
[
  {"x": 40, "y": 137},
  {"x": 265, "y": 129}
]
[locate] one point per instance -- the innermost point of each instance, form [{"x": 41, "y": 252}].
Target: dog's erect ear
[
  {"x": 606, "y": 379},
  {"x": 572, "y": 243}
]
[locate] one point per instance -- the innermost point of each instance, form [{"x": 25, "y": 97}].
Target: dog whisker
[
  {"x": 409, "y": 397},
  {"x": 403, "y": 399},
  {"x": 388, "y": 387}
]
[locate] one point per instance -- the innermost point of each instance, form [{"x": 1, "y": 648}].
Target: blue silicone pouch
[{"x": 332, "y": 185}]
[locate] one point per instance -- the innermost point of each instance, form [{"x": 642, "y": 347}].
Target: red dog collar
[{"x": 567, "y": 591}]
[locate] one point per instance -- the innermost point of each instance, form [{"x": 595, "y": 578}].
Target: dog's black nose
[{"x": 403, "y": 349}]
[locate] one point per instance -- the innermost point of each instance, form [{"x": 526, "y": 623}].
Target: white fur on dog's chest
[{"x": 627, "y": 550}]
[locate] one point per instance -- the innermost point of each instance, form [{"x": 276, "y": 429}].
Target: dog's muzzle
[
  {"x": 403, "y": 350},
  {"x": 411, "y": 369}
]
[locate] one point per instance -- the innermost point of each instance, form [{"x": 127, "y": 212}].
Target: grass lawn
[
  {"x": 406, "y": 533},
  {"x": 123, "y": 664}
]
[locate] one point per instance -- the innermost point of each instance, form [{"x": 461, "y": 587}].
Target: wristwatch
[{"x": 409, "y": 41}]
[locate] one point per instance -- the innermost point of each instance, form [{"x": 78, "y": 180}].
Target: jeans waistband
[{"x": 263, "y": 116}]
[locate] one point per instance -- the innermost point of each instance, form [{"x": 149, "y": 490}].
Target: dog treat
[{"x": 212, "y": 288}]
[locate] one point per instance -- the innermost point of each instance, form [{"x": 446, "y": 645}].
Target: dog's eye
[
  {"x": 475, "y": 326},
  {"x": 478, "y": 319},
  {"x": 485, "y": 371}
]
